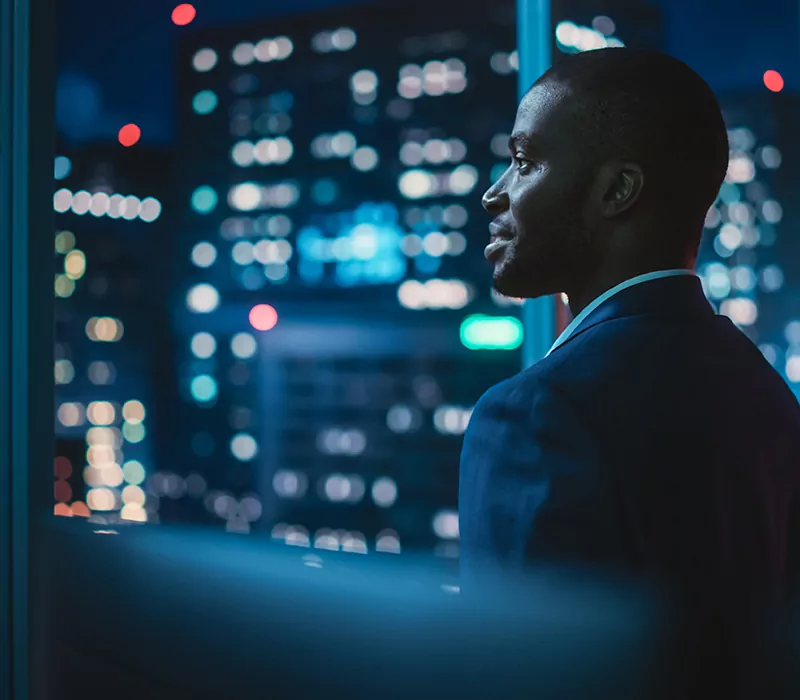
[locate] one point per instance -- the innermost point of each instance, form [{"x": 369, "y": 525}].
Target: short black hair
[{"x": 653, "y": 109}]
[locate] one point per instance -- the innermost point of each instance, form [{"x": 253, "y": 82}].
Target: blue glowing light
[
  {"x": 281, "y": 101},
  {"x": 62, "y": 167},
  {"x": 729, "y": 193},
  {"x": 204, "y": 199},
  {"x": 204, "y": 388},
  {"x": 311, "y": 270},
  {"x": 363, "y": 244},
  {"x": 427, "y": 265},
  {"x": 204, "y": 102},
  {"x": 253, "y": 278},
  {"x": 324, "y": 191}
]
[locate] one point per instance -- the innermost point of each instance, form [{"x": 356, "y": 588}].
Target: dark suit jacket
[{"x": 658, "y": 441}]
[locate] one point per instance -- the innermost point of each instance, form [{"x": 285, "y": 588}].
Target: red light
[
  {"x": 129, "y": 134},
  {"x": 63, "y": 468},
  {"x": 80, "y": 509},
  {"x": 183, "y": 14},
  {"x": 62, "y": 491},
  {"x": 773, "y": 80},
  {"x": 263, "y": 317}
]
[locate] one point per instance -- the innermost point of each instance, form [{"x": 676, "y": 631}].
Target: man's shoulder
[
  {"x": 651, "y": 344},
  {"x": 637, "y": 361},
  {"x": 627, "y": 361}
]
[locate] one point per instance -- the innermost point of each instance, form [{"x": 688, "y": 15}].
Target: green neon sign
[{"x": 491, "y": 332}]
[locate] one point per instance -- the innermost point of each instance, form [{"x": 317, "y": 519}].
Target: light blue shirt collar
[{"x": 581, "y": 317}]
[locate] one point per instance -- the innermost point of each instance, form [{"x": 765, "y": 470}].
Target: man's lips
[
  {"x": 499, "y": 238},
  {"x": 496, "y": 247},
  {"x": 496, "y": 232}
]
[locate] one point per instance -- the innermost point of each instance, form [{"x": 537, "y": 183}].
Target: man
[{"x": 654, "y": 438}]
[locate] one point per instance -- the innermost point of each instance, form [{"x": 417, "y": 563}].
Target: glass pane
[{"x": 274, "y": 312}]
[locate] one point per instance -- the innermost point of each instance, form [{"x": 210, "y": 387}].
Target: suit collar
[{"x": 671, "y": 296}]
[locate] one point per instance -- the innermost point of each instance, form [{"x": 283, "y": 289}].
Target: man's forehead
[{"x": 541, "y": 109}]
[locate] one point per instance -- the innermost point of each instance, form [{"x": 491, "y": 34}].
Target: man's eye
[{"x": 522, "y": 163}]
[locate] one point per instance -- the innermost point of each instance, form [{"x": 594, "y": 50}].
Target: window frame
[
  {"x": 535, "y": 51},
  {"x": 27, "y": 116}
]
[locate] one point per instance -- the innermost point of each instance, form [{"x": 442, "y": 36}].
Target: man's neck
[{"x": 608, "y": 277}]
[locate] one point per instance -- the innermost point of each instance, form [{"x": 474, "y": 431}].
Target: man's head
[{"x": 617, "y": 155}]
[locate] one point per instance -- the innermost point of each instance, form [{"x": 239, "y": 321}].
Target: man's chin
[{"x": 511, "y": 285}]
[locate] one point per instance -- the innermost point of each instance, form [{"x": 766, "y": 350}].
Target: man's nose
[{"x": 495, "y": 199}]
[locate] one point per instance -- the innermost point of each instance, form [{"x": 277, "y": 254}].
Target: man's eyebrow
[{"x": 521, "y": 140}]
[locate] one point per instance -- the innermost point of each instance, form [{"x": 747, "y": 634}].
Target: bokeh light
[
  {"x": 133, "y": 472},
  {"x": 384, "y": 216},
  {"x": 263, "y": 317},
  {"x": 204, "y": 388},
  {"x": 183, "y": 14},
  {"x": 62, "y": 166},
  {"x": 204, "y": 199},
  {"x": 773, "y": 81},
  {"x": 202, "y": 298},
  {"x": 204, "y": 60},
  {"x": 243, "y": 345},
  {"x": 204, "y": 254},
  {"x": 129, "y": 135},
  {"x": 203, "y": 345},
  {"x": 205, "y": 102},
  {"x": 244, "y": 447}
]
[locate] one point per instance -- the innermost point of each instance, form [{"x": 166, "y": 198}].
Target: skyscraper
[
  {"x": 109, "y": 328},
  {"x": 333, "y": 167},
  {"x": 749, "y": 257},
  {"x": 336, "y": 321}
]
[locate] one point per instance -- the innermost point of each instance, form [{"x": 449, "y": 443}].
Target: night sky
[{"x": 116, "y": 59}]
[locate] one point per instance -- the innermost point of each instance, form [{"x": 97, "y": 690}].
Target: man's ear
[{"x": 621, "y": 185}]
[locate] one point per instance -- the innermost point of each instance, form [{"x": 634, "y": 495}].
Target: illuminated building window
[
  {"x": 770, "y": 157},
  {"x": 64, "y": 372},
  {"x": 244, "y": 447},
  {"x": 133, "y": 411},
  {"x": 572, "y": 38},
  {"x": 342, "y": 39},
  {"x": 133, "y": 432},
  {"x": 203, "y": 345},
  {"x": 290, "y": 484},
  {"x": 387, "y": 541},
  {"x": 384, "y": 492},
  {"x": 445, "y": 525},
  {"x": 793, "y": 368},
  {"x": 204, "y": 254},
  {"x": 133, "y": 472},
  {"x": 204, "y": 199},
  {"x": 71, "y": 414},
  {"x": 205, "y": 102},
  {"x": 202, "y": 298},
  {"x": 243, "y": 345},
  {"x": 277, "y": 49},
  {"x": 204, "y": 60},
  {"x": 101, "y": 373},
  {"x": 62, "y": 167},
  {"x": 771, "y": 278},
  {"x": 104, "y": 329},
  {"x": 204, "y": 388},
  {"x": 792, "y": 333},
  {"x": 743, "y": 312},
  {"x": 65, "y": 242}
]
